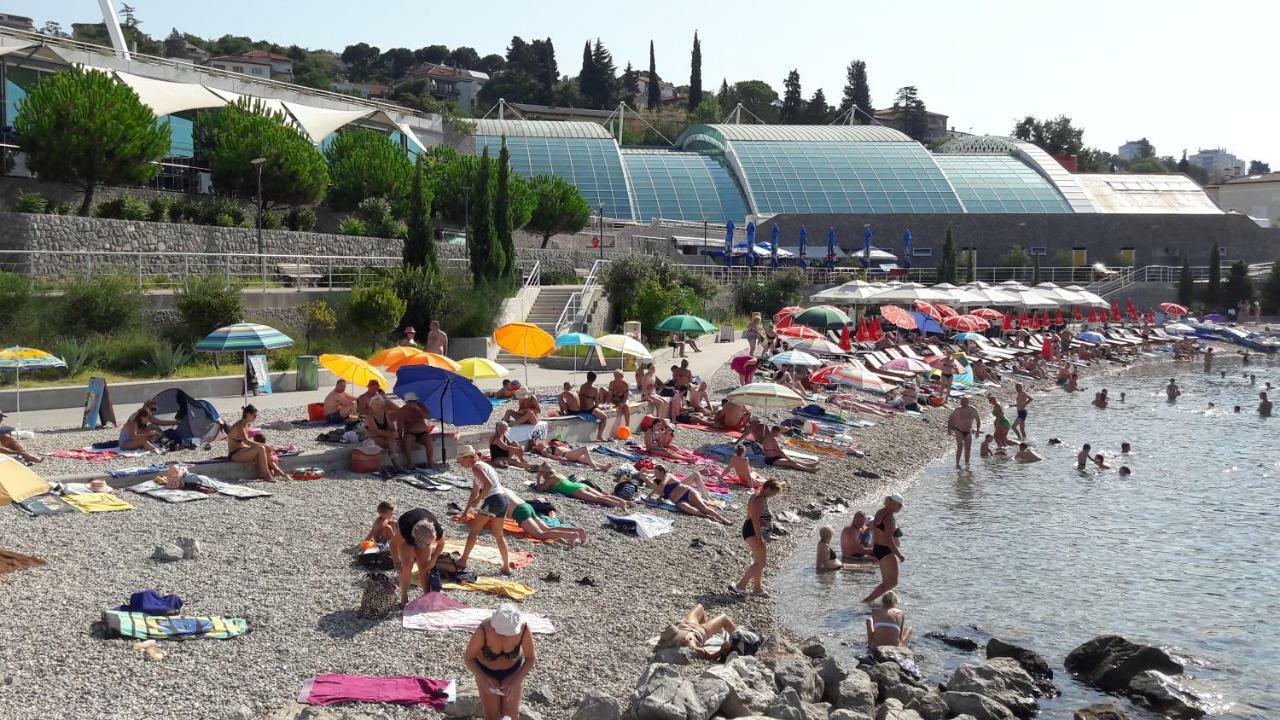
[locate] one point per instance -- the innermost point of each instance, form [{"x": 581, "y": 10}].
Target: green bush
[
  {"x": 375, "y": 309},
  {"x": 206, "y": 304},
  {"x": 187, "y": 211},
  {"x": 166, "y": 360},
  {"x": 271, "y": 220},
  {"x": 300, "y": 219},
  {"x": 379, "y": 220},
  {"x": 105, "y": 303},
  {"x": 15, "y": 294},
  {"x": 220, "y": 210},
  {"x": 366, "y": 163},
  {"x": 654, "y": 301},
  {"x": 77, "y": 354},
  {"x": 770, "y": 294},
  {"x": 283, "y": 359},
  {"x": 471, "y": 311},
  {"x": 225, "y": 220},
  {"x": 559, "y": 277},
  {"x": 317, "y": 319},
  {"x": 161, "y": 208},
  {"x": 353, "y": 226},
  {"x": 624, "y": 277},
  {"x": 125, "y": 207},
  {"x": 31, "y": 202},
  {"x": 128, "y": 352},
  {"x": 62, "y": 207},
  {"x": 423, "y": 290}
]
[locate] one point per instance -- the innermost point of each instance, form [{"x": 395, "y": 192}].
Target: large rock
[
  {"x": 1109, "y": 662},
  {"x": 596, "y": 706},
  {"x": 856, "y": 692},
  {"x": 979, "y": 706},
  {"x": 675, "y": 656},
  {"x": 813, "y": 647},
  {"x": 798, "y": 673},
  {"x": 167, "y": 553},
  {"x": 1002, "y": 680},
  {"x": 1035, "y": 665},
  {"x": 751, "y": 686},
  {"x": 886, "y": 676},
  {"x": 955, "y": 641},
  {"x": 466, "y": 704},
  {"x": 847, "y": 715},
  {"x": 900, "y": 656},
  {"x": 786, "y": 705},
  {"x": 832, "y": 673},
  {"x": 930, "y": 705},
  {"x": 1102, "y": 711},
  {"x": 893, "y": 710},
  {"x": 1166, "y": 695},
  {"x": 904, "y": 693},
  {"x": 663, "y": 695}
]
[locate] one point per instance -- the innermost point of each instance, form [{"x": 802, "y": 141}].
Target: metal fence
[{"x": 819, "y": 274}]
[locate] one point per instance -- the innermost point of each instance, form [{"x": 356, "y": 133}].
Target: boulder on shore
[
  {"x": 597, "y": 706},
  {"x": 979, "y": 706},
  {"x": 1035, "y": 665},
  {"x": 796, "y": 672},
  {"x": 751, "y": 686},
  {"x": 1101, "y": 711},
  {"x": 1166, "y": 695},
  {"x": 662, "y": 694},
  {"x": 1109, "y": 662},
  {"x": 955, "y": 641},
  {"x": 893, "y": 710},
  {"x": 1000, "y": 679}
]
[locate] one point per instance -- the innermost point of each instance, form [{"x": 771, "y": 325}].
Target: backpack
[
  {"x": 626, "y": 489},
  {"x": 745, "y": 642}
]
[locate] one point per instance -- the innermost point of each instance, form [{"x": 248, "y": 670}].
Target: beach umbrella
[
  {"x": 804, "y": 240},
  {"x": 1173, "y": 309},
  {"x": 850, "y": 293},
  {"x": 393, "y": 356},
  {"x": 18, "y": 359},
  {"x": 787, "y": 312},
  {"x": 946, "y": 310},
  {"x": 909, "y": 293},
  {"x": 924, "y": 323},
  {"x": 907, "y": 364},
  {"x": 906, "y": 248},
  {"x": 966, "y": 323},
  {"x": 449, "y": 397},
  {"x": 685, "y": 324},
  {"x": 799, "y": 331},
  {"x": 751, "y": 244},
  {"x": 822, "y": 316},
  {"x": 354, "y": 370},
  {"x": 625, "y": 345},
  {"x": 852, "y": 376},
  {"x": 773, "y": 246},
  {"x": 846, "y": 342},
  {"x": 928, "y": 309},
  {"x": 428, "y": 359},
  {"x": 965, "y": 336},
  {"x": 728, "y": 244},
  {"x": 819, "y": 347},
  {"x": 898, "y": 317},
  {"x": 988, "y": 314},
  {"x": 525, "y": 340},
  {"x": 1087, "y": 298},
  {"x": 575, "y": 340},
  {"x": 765, "y": 394},
  {"x": 478, "y": 368},
  {"x": 866, "y": 246},
  {"x": 1091, "y": 336},
  {"x": 795, "y": 357},
  {"x": 1032, "y": 300},
  {"x": 831, "y": 248},
  {"x": 244, "y": 338}
]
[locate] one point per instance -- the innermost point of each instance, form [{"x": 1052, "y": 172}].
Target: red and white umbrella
[
  {"x": 988, "y": 314},
  {"x": 851, "y": 376},
  {"x": 966, "y": 323},
  {"x": 1173, "y": 309},
  {"x": 786, "y": 312},
  {"x": 800, "y": 331},
  {"x": 897, "y": 316},
  {"x": 946, "y": 310},
  {"x": 928, "y": 309},
  {"x": 907, "y": 364}
]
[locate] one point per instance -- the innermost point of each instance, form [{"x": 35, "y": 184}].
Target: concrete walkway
[{"x": 705, "y": 363}]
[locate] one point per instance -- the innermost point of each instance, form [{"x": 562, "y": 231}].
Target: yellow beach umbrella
[
  {"x": 426, "y": 358},
  {"x": 353, "y": 370},
  {"x": 524, "y": 340},
  {"x": 478, "y": 368},
  {"x": 393, "y": 356}
]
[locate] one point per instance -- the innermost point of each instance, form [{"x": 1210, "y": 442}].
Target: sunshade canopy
[{"x": 353, "y": 370}]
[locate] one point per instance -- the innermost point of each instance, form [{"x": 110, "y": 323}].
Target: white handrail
[
  {"x": 577, "y": 302},
  {"x": 532, "y": 280}
]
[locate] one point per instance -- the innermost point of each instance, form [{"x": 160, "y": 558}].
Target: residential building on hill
[
  {"x": 1132, "y": 150},
  {"x": 1219, "y": 164},
  {"x": 669, "y": 93},
  {"x": 17, "y": 22},
  {"x": 448, "y": 83},
  {"x": 257, "y": 63}
]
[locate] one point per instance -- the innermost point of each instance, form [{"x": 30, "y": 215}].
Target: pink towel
[{"x": 403, "y": 690}]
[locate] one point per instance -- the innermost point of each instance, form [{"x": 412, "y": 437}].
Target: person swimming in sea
[
  {"x": 1026, "y": 455},
  {"x": 1172, "y": 390},
  {"x": 1082, "y": 458},
  {"x": 1101, "y": 462}
]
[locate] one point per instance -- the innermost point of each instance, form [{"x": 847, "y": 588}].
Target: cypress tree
[
  {"x": 481, "y": 212},
  {"x": 792, "y": 101},
  {"x": 947, "y": 266},
  {"x": 655, "y": 91},
  {"x": 505, "y": 251},
  {"x": 419, "y": 245},
  {"x": 1213, "y": 291},
  {"x": 725, "y": 97},
  {"x": 695, "y": 74},
  {"x": 1186, "y": 285},
  {"x": 587, "y": 84}
]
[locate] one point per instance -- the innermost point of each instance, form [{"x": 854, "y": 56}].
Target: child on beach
[{"x": 385, "y": 526}]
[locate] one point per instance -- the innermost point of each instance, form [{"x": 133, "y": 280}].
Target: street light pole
[{"x": 262, "y": 261}]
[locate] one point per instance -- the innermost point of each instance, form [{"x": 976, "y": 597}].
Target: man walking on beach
[
  {"x": 1021, "y": 401},
  {"x": 963, "y": 422},
  {"x": 1172, "y": 390},
  {"x": 437, "y": 340}
]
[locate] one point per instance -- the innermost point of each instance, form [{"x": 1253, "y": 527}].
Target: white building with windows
[{"x": 1220, "y": 164}]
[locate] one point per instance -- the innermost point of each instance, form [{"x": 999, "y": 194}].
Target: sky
[{"x": 1185, "y": 74}]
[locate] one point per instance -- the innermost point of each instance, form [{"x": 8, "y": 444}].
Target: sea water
[{"x": 1184, "y": 553}]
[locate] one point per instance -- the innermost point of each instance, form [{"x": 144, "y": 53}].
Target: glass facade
[
  {"x": 674, "y": 185},
  {"x": 1000, "y": 184},
  {"x": 591, "y": 163},
  {"x": 844, "y": 177}
]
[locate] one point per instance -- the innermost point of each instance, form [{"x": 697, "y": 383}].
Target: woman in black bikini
[
  {"x": 589, "y": 401},
  {"x": 686, "y": 497},
  {"x": 884, "y": 546},
  {"x": 775, "y": 455},
  {"x": 244, "y": 449},
  {"x": 757, "y": 532},
  {"x": 500, "y": 655},
  {"x": 418, "y": 539},
  {"x": 560, "y": 450},
  {"x": 503, "y": 452}
]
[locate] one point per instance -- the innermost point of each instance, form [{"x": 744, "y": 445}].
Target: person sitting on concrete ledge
[
  {"x": 620, "y": 396},
  {"x": 414, "y": 428},
  {"x": 502, "y": 451},
  {"x": 589, "y": 401},
  {"x": 694, "y": 631},
  {"x": 560, "y": 450},
  {"x": 568, "y": 400},
  {"x": 507, "y": 391},
  {"x": 339, "y": 404},
  {"x": 551, "y": 481},
  {"x": 527, "y": 412},
  {"x": 372, "y": 390},
  {"x": 887, "y": 625},
  {"x": 243, "y": 449},
  {"x": 380, "y": 424}
]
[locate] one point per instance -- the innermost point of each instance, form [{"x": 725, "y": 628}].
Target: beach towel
[
  {"x": 135, "y": 471},
  {"x": 440, "y": 613},
  {"x": 333, "y": 689},
  {"x": 47, "y": 504},
  {"x": 150, "y": 602},
  {"x": 524, "y": 433},
  {"x": 614, "y": 452},
  {"x": 708, "y": 429},
  {"x": 497, "y": 402},
  {"x": 173, "y": 495},
  {"x": 509, "y": 526},
  {"x": 98, "y": 502},
  {"x": 12, "y": 561},
  {"x": 119, "y": 623},
  {"x": 489, "y": 553},
  {"x": 243, "y": 492},
  {"x": 494, "y": 586},
  {"x": 663, "y": 505},
  {"x": 94, "y": 455},
  {"x": 644, "y": 525}
]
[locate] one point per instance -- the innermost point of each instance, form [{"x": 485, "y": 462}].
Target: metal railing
[
  {"x": 579, "y": 301},
  {"x": 817, "y": 273},
  {"x": 533, "y": 278}
]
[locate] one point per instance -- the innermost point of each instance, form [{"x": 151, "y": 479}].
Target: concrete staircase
[{"x": 544, "y": 312}]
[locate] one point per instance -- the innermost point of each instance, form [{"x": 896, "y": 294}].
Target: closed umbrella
[
  {"x": 823, "y": 317},
  {"x": 795, "y": 357},
  {"x": 449, "y": 397},
  {"x": 804, "y": 240},
  {"x": 575, "y": 340},
  {"x": 751, "y": 244},
  {"x": 897, "y": 316},
  {"x": 685, "y": 324},
  {"x": 19, "y": 358},
  {"x": 393, "y": 356},
  {"x": 765, "y": 394},
  {"x": 525, "y": 340},
  {"x": 355, "y": 371},
  {"x": 478, "y": 368},
  {"x": 728, "y": 244},
  {"x": 906, "y": 248},
  {"x": 625, "y": 345},
  {"x": 428, "y": 359},
  {"x": 244, "y": 338},
  {"x": 866, "y": 246},
  {"x": 831, "y": 248}
]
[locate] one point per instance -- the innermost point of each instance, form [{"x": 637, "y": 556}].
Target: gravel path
[{"x": 281, "y": 563}]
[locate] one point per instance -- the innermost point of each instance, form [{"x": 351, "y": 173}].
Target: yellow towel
[
  {"x": 495, "y": 586},
  {"x": 97, "y": 502}
]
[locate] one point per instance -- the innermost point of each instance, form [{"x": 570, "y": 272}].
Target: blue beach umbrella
[
  {"x": 831, "y": 248},
  {"x": 906, "y": 248},
  {"x": 728, "y": 244},
  {"x": 575, "y": 340},
  {"x": 751, "y": 244},
  {"x": 925, "y": 324},
  {"x": 1091, "y": 336},
  {"x": 866, "y": 246},
  {"x": 978, "y": 337},
  {"x": 804, "y": 240},
  {"x": 449, "y": 397},
  {"x": 773, "y": 245}
]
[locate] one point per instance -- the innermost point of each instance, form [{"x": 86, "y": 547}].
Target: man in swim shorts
[
  {"x": 1021, "y": 402},
  {"x": 963, "y": 422}
]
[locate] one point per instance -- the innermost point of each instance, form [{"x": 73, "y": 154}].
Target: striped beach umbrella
[
  {"x": 852, "y": 376},
  {"x": 799, "y": 331},
  {"x": 244, "y": 337},
  {"x": 765, "y": 394},
  {"x": 795, "y": 357},
  {"x": 18, "y": 359},
  {"x": 575, "y": 339},
  {"x": 685, "y": 324},
  {"x": 907, "y": 364},
  {"x": 819, "y": 347}
]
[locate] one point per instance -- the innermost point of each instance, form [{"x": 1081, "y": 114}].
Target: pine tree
[
  {"x": 695, "y": 74},
  {"x": 912, "y": 116},
  {"x": 725, "y": 97},
  {"x": 792, "y": 101},
  {"x": 504, "y": 253},
  {"x": 548, "y": 72},
  {"x": 655, "y": 89},
  {"x": 606, "y": 77},
  {"x": 630, "y": 83},
  {"x": 857, "y": 92},
  {"x": 481, "y": 219},
  {"x": 817, "y": 112},
  {"x": 1213, "y": 291},
  {"x": 1186, "y": 285}
]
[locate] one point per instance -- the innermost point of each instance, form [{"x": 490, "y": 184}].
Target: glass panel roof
[
  {"x": 673, "y": 185},
  {"x": 1000, "y": 184},
  {"x": 800, "y": 133},
  {"x": 592, "y": 164},
  {"x": 540, "y": 128}
]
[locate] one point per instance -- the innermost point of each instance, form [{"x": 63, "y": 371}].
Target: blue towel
[
  {"x": 497, "y": 402},
  {"x": 588, "y": 417},
  {"x": 135, "y": 471},
  {"x": 614, "y": 452},
  {"x": 150, "y": 602}
]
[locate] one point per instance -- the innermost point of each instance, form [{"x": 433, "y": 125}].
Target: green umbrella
[
  {"x": 685, "y": 324},
  {"x": 822, "y": 317}
]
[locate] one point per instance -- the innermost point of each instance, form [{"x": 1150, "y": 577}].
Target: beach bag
[
  {"x": 626, "y": 489},
  {"x": 379, "y": 597},
  {"x": 744, "y": 642}
]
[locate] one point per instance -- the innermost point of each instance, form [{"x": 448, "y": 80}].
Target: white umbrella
[
  {"x": 765, "y": 394},
  {"x": 795, "y": 357},
  {"x": 1032, "y": 300},
  {"x": 625, "y": 345},
  {"x": 1062, "y": 295},
  {"x": 993, "y": 296},
  {"x": 1089, "y": 298},
  {"x": 850, "y": 293},
  {"x": 964, "y": 297},
  {"x": 1012, "y": 285},
  {"x": 906, "y": 294}
]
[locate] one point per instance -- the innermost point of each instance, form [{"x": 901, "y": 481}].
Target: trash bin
[{"x": 308, "y": 373}]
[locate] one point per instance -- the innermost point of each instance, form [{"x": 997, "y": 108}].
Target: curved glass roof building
[{"x": 726, "y": 172}]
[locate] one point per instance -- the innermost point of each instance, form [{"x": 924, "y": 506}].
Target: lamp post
[
  {"x": 601, "y": 242},
  {"x": 262, "y": 261}
]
